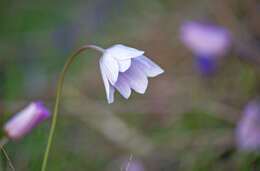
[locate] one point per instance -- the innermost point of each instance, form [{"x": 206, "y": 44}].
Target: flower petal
[
  {"x": 111, "y": 94},
  {"x": 205, "y": 39},
  {"x": 108, "y": 87},
  {"x": 110, "y": 68},
  {"x": 123, "y": 87},
  {"x": 124, "y": 64},
  {"x": 136, "y": 79},
  {"x": 122, "y": 52},
  {"x": 22, "y": 123},
  {"x": 147, "y": 66}
]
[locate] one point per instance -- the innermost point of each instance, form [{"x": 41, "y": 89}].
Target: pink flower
[{"x": 23, "y": 122}]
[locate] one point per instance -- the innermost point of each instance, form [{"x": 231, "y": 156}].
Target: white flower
[
  {"x": 126, "y": 68},
  {"x": 22, "y": 123}
]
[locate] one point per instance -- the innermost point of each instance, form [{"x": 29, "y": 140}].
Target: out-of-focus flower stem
[
  {"x": 3, "y": 141},
  {"x": 129, "y": 161},
  {"x": 56, "y": 110},
  {"x": 3, "y": 166}
]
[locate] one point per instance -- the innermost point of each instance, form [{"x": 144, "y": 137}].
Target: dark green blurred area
[{"x": 183, "y": 122}]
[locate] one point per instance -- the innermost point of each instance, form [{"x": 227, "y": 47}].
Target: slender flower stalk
[
  {"x": 3, "y": 141},
  {"x": 56, "y": 109},
  {"x": 129, "y": 161},
  {"x": 4, "y": 155},
  {"x": 131, "y": 165}
]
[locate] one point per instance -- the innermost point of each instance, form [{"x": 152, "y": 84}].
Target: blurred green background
[{"x": 182, "y": 122}]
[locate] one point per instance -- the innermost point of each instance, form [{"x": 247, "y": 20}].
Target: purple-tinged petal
[
  {"x": 109, "y": 67},
  {"x": 124, "y": 64},
  {"x": 108, "y": 87},
  {"x": 44, "y": 111},
  {"x": 136, "y": 79},
  {"x": 248, "y": 130},
  {"x": 125, "y": 68},
  {"x": 150, "y": 68},
  {"x": 122, "y": 86},
  {"x": 121, "y": 52},
  {"x": 22, "y": 123},
  {"x": 111, "y": 94}
]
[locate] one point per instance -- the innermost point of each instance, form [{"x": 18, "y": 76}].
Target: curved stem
[{"x": 56, "y": 110}]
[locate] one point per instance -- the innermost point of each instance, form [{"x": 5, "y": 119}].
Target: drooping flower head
[
  {"x": 248, "y": 129},
  {"x": 207, "y": 43},
  {"x": 124, "y": 68},
  {"x": 23, "y": 122}
]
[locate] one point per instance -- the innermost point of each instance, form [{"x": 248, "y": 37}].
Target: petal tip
[
  {"x": 142, "y": 91},
  {"x": 110, "y": 102},
  {"x": 127, "y": 97},
  {"x": 160, "y": 71}
]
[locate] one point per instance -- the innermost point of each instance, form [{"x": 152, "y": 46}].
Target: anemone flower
[
  {"x": 23, "y": 122},
  {"x": 124, "y": 68}
]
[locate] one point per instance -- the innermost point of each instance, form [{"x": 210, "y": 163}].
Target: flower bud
[{"x": 23, "y": 122}]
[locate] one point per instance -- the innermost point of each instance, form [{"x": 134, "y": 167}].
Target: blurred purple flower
[
  {"x": 205, "y": 39},
  {"x": 126, "y": 68},
  {"x": 207, "y": 42},
  {"x": 22, "y": 123},
  {"x": 248, "y": 130},
  {"x": 133, "y": 165}
]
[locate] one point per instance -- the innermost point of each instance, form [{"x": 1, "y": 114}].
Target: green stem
[{"x": 56, "y": 110}]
